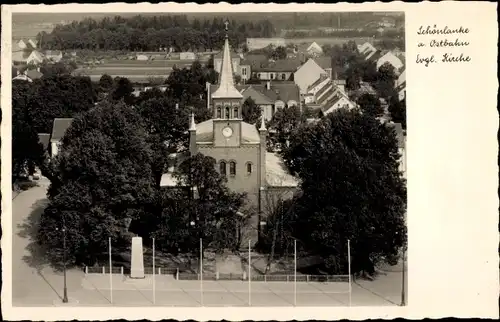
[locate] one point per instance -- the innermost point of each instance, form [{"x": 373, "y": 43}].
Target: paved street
[{"x": 36, "y": 284}]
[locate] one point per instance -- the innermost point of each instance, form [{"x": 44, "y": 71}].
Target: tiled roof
[
  {"x": 258, "y": 97},
  {"x": 254, "y": 59},
  {"x": 317, "y": 82},
  {"x": 324, "y": 62},
  {"x": 20, "y": 55},
  {"x": 284, "y": 65},
  {"x": 328, "y": 94},
  {"x": 204, "y": 132},
  {"x": 44, "y": 139},
  {"x": 34, "y": 74},
  {"x": 59, "y": 128},
  {"x": 276, "y": 173},
  {"x": 286, "y": 91}
]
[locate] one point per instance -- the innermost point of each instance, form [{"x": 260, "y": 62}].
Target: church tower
[{"x": 227, "y": 104}]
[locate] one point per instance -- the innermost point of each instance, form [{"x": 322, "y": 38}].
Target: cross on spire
[{"x": 226, "y": 28}]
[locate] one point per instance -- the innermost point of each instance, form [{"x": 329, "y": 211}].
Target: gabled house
[
  {"x": 280, "y": 70},
  {"x": 33, "y": 43},
  {"x": 392, "y": 59},
  {"x": 312, "y": 49},
  {"x": 54, "y": 55},
  {"x": 142, "y": 57},
  {"x": 339, "y": 100},
  {"x": 29, "y": 75},
  {"x": 59, "y": 128},
  {"x": 310, "y": 71}
]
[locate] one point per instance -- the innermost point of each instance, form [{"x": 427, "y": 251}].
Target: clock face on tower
[{"x": 227, "y": 132}]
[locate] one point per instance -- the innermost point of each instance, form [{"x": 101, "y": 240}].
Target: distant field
[
  {"x": 327, "y": 40},
  {"x": 145, "y": 64},
  {"x": 132, "y": 78},
  {"x": 116, "y": 71}
]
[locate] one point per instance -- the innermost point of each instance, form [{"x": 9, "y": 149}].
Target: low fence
[{"x": 183, "y": 276}]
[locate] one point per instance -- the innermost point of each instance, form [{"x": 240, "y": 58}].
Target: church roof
[
  {"x": 59, "y": 128},
  {"x": 276, "y": 173},
  {"x": 226, "y": 80},
  {"x": 205, "y": 132}
]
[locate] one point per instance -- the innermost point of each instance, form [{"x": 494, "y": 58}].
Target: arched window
[
  {"x": 232, "y": 168},
  {"x": 272, "y": 75},
  {"x": 227, "y": 112},
  {"x": 219, "y": 112},
  {"x": 222, "y": 168},
  {"x": 249, "y": 168},
  {"x": 283, "y": 76},
  {"x": 235, "y": 112}
]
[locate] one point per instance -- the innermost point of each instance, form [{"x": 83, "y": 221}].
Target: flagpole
[
  {"x": 249, "y": 276},
  {"x": 349, "y": 269},
  {"x": 295, "y": 273},
  {"x": 201, "y": 271},
  {"x": 110, "y": 273},
  {"x": 154, "y": 286}
]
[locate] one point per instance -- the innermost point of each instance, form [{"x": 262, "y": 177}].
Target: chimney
[{"x": 268, "y": 85}]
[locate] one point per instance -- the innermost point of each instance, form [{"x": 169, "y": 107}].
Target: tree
[
  {"x": 105, "y": 83},
  {"x": 26, "y": 150},
  {"x": 123, "y": 90},
  {"x": 278, "y": 53},
  {"x": 214, "y": 208},
  {"x": 397, "y": 109},
  {"x": 370, "y": 105},
  {"x": 250, "y": 111},
  {"x": 385, "y": 80},
  {"x": 284, "y": 122},
  {"x": 104, "y": 175},
  {"x": 167, "y": 127},
  {"x": 351, "y": 189}
]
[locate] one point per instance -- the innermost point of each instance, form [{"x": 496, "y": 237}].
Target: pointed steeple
[
  {"x": 226, "y": 80},
  {"x": 192, "y": 126}
]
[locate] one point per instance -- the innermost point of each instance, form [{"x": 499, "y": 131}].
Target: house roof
[
  {"x": 276, "y": 173},
  {"x": 284, "y": 65},
  {"x": 33, "y": 74},
  {"x": 254, "y": 59},
  {"x": 317, "y": 82},
  {"x": 20, "y": 55},
  {"x": 258, "y": 97},
  {"x": 44, "y": 139},
  {"x": 286, "y": 92},
  {"x": 52, "y": 53},
  {"x": 59, "y": 128},
  {"x": 204, "y": 132},
  {"x": 324, "y": 62},
  {"x": 334, "y": 101}
]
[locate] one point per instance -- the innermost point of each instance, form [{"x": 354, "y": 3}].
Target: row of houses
[{"x": 27, "y": 53}]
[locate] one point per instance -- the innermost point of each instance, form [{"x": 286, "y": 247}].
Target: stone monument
[{"x": 137, "y": 259}]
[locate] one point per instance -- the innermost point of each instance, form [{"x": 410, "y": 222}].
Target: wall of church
[
  {"x": 241, "y": 181},
  {"x": 271, "y": 196}
]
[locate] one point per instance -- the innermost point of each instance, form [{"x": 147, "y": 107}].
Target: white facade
[
  {"x": 391, "y": 59},
  {"x": 314, "y": 48},
  {"x": 187, "y": 56},
  {"x": 142, "y": 57},
  {"x": 54, "y": 145},
  {"x": 34, "y": 58},
  {"x": 343, "y": 102}
]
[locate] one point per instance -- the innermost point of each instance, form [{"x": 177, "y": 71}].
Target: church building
[{"x": 239, "y": 148}]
